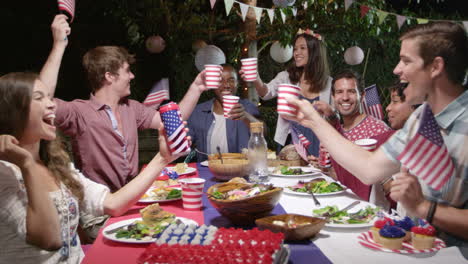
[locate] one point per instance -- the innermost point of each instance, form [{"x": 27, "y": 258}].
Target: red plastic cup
[
  {"x": 324, "y": 158},
  {"x": 192, "y": 191},
  {"x": 285, "y": 91}
]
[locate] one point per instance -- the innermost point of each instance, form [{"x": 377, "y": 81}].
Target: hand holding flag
[
  {"x": 426, "y": 154},
  {"x": 405, "y": 189}
]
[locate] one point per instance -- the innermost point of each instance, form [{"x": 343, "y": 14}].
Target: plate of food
[
  {"x": 367, "y": 240},
  {"x": 362, "y": 215},
  {"x": 182, "y": 169},
  {"x": 285, "y": 171},
  {"x": 318, "y": 186},
  {"x": 143, "y": 229},
  {"x": 163, "y": 194}
]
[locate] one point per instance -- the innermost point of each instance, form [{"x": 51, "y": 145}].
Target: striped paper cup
[
  {"x": 285, "y": 91},
  {"x": 213, "y": 76},
  {"x": 192, "y": 191},
  {"x": 228, "y": 103},
  {"x": 249, "y": 67}
]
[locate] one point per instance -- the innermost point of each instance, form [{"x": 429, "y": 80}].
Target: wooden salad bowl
[
  {"x": 229, "y": 168},
  {"x": 227, "y": 156},
  {"x": 244, "y": 211},
  {"x": 307, "y": 226}
]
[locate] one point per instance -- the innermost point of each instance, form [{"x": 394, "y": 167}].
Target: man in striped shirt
[{"x": 434, "y": 61}]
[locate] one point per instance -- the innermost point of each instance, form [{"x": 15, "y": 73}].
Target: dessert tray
[{"x": 367, "y": 240}]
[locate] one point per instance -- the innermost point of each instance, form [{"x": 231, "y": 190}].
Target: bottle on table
[{"x": 257, "y": 153}]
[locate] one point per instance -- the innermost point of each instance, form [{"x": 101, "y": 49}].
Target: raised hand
[
  {"x": 199, "y": 82},
  {"x": 237, "y": 112},
  {"x": 406, "y": 190},
  {"x": 12, "y": 152},
  {"x": 60, "y": 30}
]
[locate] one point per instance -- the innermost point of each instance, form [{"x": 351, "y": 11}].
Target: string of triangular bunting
[{"x": 364, "y": 9}]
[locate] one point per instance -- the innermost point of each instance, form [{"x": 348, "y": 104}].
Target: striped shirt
[{"x": 453, "y": 121}]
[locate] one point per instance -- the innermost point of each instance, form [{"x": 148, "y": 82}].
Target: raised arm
[
  {"x": 42, "y": 220},
  {"x": 369, "y": 167},
  {"x": 119, "y": 202},
  {"x": 49, "y": 72},
  {"x": 261, "y": 88}
]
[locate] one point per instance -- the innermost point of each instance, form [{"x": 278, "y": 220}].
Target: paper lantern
[
  {"x": 209, "y": 55},
  {"x": 281, "y": 54},
  {"x": 198, "y": 44},
  {"x": 283, "y": 3},
  {"x": 155, "y": 44},
  {"x": 354, "y": 55}
]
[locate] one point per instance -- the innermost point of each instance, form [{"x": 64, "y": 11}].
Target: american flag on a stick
[
  {"x": 175, "y": 129},
  {"x": 158, "y": 93},
  {"x": 300, "y": 142},
  {"x": 67, "y": 7},
  {"x": 372, "y": 105},
  {"x": 426, "y": 154}
]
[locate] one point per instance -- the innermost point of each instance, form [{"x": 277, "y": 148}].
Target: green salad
[
  {"x": 317, "y": 186},
  {"x": 336, "y": 216},
  {"x": 285, "y": 170},
  {"x": 140, "y": 231}
]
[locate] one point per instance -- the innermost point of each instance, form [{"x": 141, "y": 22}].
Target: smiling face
[
  {"x": 411, "y": 69},
  {"x": 398, "y": 111},
  {"x": 122, "y": 79},
  {"x": 228, "y": 83},
  {"x": 40, "y": 124},
  {"x": 301, "y": 52},
  {"x": 346, "y": 97}
]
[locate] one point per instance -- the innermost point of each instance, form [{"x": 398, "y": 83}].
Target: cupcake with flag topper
[
  {"x": 423, "y": 236},
  {"x": 379, "y": 224},
  {"x": 391, "y": 237},
  {"x": 406, "y": 224}
]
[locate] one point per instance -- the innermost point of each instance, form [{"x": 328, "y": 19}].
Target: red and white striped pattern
[
  {"x": 192, "y": 191},
  {"x": 67, "y": 6},
  {"x": 286, "y": 90},
  {"x": 228, "y": 103},
  {"x": 426, "y": 154},
  {"x": 367, "y": 240},
  {"x": 156, "y": 98}
]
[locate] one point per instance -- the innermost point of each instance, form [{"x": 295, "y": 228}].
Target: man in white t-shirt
[{"x": 210, "y": 129}]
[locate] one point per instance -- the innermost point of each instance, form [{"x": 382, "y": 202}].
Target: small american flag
[
  {"x": 67, "y": 7},
  {"x": 426, "y": 154},
  {"x": 176, "y": 135},
  {"x": 372, "y": 105},
  {"x": 300, "y": 142},
  {"x": 158, "y": 93}
]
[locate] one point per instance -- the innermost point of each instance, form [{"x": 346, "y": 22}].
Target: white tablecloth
[{"x": 341, "y": 245}]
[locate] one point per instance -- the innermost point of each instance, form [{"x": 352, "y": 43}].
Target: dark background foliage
[{"x": 26, "y": 38}]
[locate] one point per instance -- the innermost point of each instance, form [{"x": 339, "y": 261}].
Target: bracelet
[{"x": 431, "y": 212}]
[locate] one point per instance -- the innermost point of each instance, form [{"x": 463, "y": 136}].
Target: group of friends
[{"x": 46, "y": 198}]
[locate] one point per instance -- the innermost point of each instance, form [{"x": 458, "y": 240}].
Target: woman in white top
[
  {"x": 311, "y": 73},
  {"x": 40, "y": 194}
]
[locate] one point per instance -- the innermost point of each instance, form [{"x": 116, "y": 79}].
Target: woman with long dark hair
[
  {"x": 310, "y": 71},
  {"x": 41, "y": 194}
]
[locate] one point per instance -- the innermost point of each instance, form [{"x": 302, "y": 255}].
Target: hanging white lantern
[
  {"x": 281, "y": 54},
  {"x": 155, "y": 44},
  {"x": 283, "y": 3},
  {"x": 198, "y": 44},
  {"x": 354, "y": 55},
  {"x": 209, "y": 55}
]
